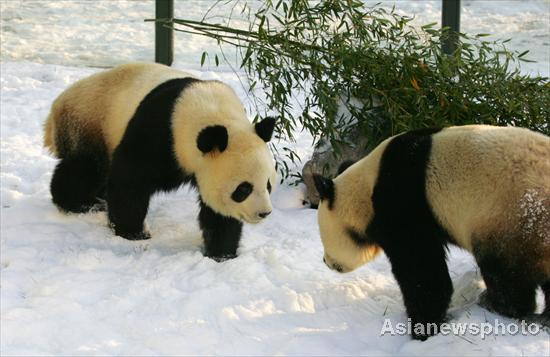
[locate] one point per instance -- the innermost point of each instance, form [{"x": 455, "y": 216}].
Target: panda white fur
[
  {"x": 483, "y": 188},
  {"x": 140, "y": 128}
]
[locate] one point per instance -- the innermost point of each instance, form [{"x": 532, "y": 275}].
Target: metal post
[
  {"x": 164, "y": 36},
  {"x": 450, "y": 17}
]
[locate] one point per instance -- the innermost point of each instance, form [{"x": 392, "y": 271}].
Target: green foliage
[{"x": 331, "y": 52}]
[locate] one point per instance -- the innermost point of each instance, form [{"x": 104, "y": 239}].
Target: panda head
[
  {"x": 343, "y": 214},
  {"x": 237, "y": 172},
  {"x": 228, "y": 156}
]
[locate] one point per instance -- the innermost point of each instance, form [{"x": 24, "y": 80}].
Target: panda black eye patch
[
  {"x": 358, "y": 238},
  {"x": 242, "y": 192}
]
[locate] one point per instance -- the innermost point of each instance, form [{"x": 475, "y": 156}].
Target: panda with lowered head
[
  {"x": 140, "y": 128},
  {"x": 483, "y": 188}
]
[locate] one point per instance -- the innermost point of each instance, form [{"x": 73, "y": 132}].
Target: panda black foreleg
[
  {"x": 511, "y": 289},
  {"x": 421, "y": 271},
  {"x": 221, "y": 234}
]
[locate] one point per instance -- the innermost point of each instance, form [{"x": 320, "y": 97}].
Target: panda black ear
[
  {"x": 211, "y": 138},
  {"x": 325, "y": 187},
  {"x": 264, "y": 129}
]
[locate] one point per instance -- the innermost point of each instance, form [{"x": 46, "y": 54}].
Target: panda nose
[{"x": 264, "y": 214}]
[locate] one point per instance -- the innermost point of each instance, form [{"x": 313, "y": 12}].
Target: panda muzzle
[{"x": 334, "y": 266}]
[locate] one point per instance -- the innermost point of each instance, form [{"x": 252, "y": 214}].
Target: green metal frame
[
  {"x": 450, "y": 17},
  {"x": 164, "y": 36}
]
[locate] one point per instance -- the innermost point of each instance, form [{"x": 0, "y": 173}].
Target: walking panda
[
  {"x": 140, "y": 128},
  {"x": 483, "y": 188}
]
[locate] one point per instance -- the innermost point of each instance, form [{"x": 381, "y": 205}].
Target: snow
[
  {"x": 104, "y": 32},
  {"x": 70, "y": 287},
  {"x": 534, "y": 213}
]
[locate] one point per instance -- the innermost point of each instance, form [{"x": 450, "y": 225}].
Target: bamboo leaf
[{"x": 335, "y": 53}]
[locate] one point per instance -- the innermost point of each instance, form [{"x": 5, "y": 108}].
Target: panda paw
[
  {"x": 100, "y": 205},
  {"x": 484, "y": 302},
  {"x": 143, "y": 235},
  {"x": 221, "y": 258},
  {"x": 96, "y": 205},
  {"x": 421, "y": 331},
  {"x": 419, "y": 336},
  {"x": 493, "y": 306},
  {"x": 541, "y": 319},
  {"x": 139, "y": 236},
  {"x": 499, "y": 305}
]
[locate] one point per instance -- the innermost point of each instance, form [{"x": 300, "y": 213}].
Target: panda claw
[
  {"x": 221, "y": 258},
  {"x": 99, "y": 206},
  {"x": 419, "y": 337},
  {"x": 135, "y": 236}
]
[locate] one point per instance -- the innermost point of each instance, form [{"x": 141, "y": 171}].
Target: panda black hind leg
[
  {"x": 127, "y": 198},
  {"x": 511, "y": 286},
  {"x": 221, "y": 234},
  {"x": 546, "y": 313},
  {"x": 78, "y": 180}
]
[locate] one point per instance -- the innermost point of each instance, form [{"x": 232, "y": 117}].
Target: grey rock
[{"x": 326, "y": 159}]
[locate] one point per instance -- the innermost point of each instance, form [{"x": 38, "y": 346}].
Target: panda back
[
  {"x": 130, "y": 85},
  {"x": 477, "y": 178},
  {"x": 96, "y": 110}
]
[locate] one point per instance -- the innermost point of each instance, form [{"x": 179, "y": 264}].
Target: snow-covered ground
[
  {"x": 70, "y": 287},
  {"x": 106, "y": 32}
]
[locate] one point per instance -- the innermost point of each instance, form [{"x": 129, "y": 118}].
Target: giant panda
[
  {"x": 123, "y": 134},
  {"x": 483, "y": 188}
]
